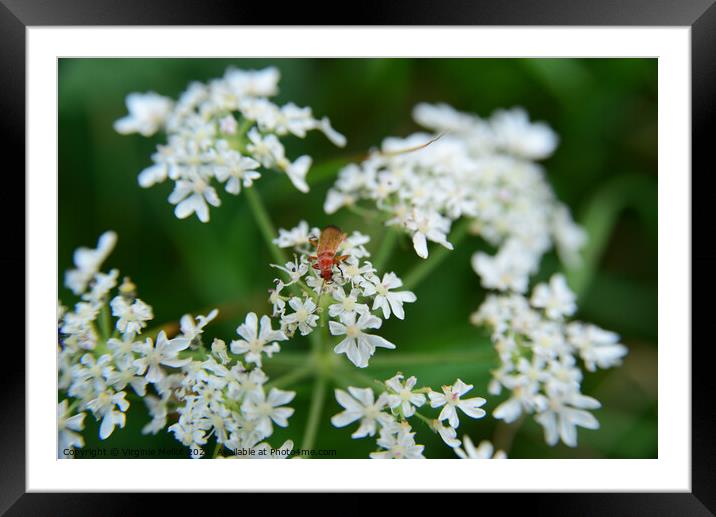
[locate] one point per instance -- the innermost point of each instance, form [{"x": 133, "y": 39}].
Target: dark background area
[{"x": 605, "y": 169}]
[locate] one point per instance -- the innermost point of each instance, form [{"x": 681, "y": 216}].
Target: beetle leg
[
  {"x": 340, "y": 258},
  {"x": 313, "y": 242}
]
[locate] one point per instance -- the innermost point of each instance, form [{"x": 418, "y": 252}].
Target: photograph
[{"x": 357, "y": 258}]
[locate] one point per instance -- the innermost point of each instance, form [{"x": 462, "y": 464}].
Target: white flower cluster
[
  {"x": 223, "y": 130},
  {"x": 351, "y": 300},
  {"x": 482, "y": 170},
  {"x": 388, "y": 415},
  {"x": 538, "y": 350},
  {"x": 100, "y": 359}
]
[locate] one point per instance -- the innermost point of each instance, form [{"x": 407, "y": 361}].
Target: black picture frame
[{"x": 700, "y": 15}]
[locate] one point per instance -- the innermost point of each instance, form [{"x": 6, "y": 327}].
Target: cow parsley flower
[
  {"x": 539, "y": 354},
  {"x": 159, "y": 411},
  {"x": 388, "y": 300},
  {"x": 221, "y": 132},
  {"x": 484, "y": 451},
  {"x": 450, "y": 400},
  {"x": 398, "y": 444},
  {"x": 482, "y": 171},
  {"x": 447, "y": 433},
  {"x": 147, "y": 113},
  {"x": 103, "y": 407},
  {"x": 303, "y": 317},
  {"x": 565, "y": 411},
  {"x": 209, "y": 395},
  {"x": 88, "y": 261},
  {"x": 132, "y": 315},
  {"x": 428, "y": 226},
  {"x": 165, "y": 352},
  {"x": 352, "y": 296},
  {"x": 257, "y": 340},
  {"x": 347, "y": 303},
  {"x": 402, "y": 395},
  {"x": 295, "y": 270},
  {"x": 556, "y": 298},
  {"x": 358, "y": 345},
  {"x": 264, "y": 410},
  {"x": 516, "y": 134},
  {"x": 100, "y": 286},
  {"x": 598, "y": 348},
  {"x": 68, "y": 428},
  {"x": 360, "y": 404},
  {"x": 299, "y": 236},
  {"x": 389, "y": 414},
  {"x": 127, "y": 374}
]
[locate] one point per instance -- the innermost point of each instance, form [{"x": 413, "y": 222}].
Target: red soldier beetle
[{"x": 326, "y": 248}]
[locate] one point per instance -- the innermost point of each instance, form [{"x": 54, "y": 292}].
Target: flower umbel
[{"x": 221, "y": 132}]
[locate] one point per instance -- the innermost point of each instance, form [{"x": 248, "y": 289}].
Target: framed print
[{"x": 439, "y": 243}]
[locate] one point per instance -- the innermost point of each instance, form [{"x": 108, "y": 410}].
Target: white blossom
[
  {"x": 191, "y": 329},
  {"x": 539, "y": 354},
  {"x": 555, "y": 298},
  {"x": 191, "y": 197},
  {"x": 221, "y": 131},
  {"x": 132, "y": 316},
  {"x": 68, "y": 428},
  {"x": 256, "y": 340},
  {"x": 358, "y": 345},
  {"x": 295, "y": 237},
  {"x": 598, "y": 348},
  {"x": 428, "y": 226},
  {"x": 484, "y": 451},
  {"x": 103, "y": 407},
  {"x": 474, "y": 169},
  {"x": 403, "y": 396},
  {"x": 450, "y": 399},
  {"x": 295, "y": 270},
  {"x": 361, "y": 405},
  {"x": 165, "y": 352},
  {"x": 303, "y": 317},
  {"x": 88, "y": 261},
  {"x": 147, "y": 113},
  {"x": 398, "y": 444},
  {"x": 447, "y": 433},
  {"x": 265, "y": 410},
  {"x": 386, "y": 299},
  {"x": 515, "y": 134},
  {"x": 566, "y": 411},
  {"x": 346, "y": 303}
]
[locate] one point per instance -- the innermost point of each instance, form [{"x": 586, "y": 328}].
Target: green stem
[
  {"x": 105, "y": 323},
  {"x": 217, "y": 449},
  {"x": 386, "y": 248},
  {"x": 600, "y": 218},
  {"x": 321, "y": 364},
  {"x": 367, "y": 213},
  {"x": 290, "y": 358},
  {"x": 419, "y": 272},
  {"x": 269, "y": 234},
  {"x": 265, "y": 226},
  {"x": 504, "y": 434},
  {"x": 314, "y": 413},
  {"x": 291, "y": 378},
  {"x": 361, "y": 378},
  {"x": 399, "y": 359},
  {"x": 427, "y": 421},
  {"x": 315, "y": 339}
]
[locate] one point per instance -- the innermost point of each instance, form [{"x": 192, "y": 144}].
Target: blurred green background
[{"x": 605, "y": 169}]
